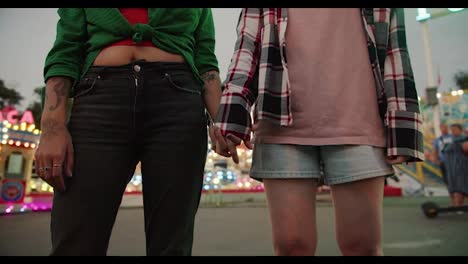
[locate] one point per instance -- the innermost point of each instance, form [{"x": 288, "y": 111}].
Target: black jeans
[{"x": 151, "y": 112}]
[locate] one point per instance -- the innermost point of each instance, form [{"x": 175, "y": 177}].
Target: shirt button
[{"x": 136, "y": 68}]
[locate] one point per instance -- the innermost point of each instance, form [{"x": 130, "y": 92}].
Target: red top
[{"x": 134, "y": 15}]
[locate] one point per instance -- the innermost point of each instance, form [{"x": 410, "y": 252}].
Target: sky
[{"x": 28, "y": 34}]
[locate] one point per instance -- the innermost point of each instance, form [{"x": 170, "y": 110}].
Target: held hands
[{"x": 226, "y": 146}]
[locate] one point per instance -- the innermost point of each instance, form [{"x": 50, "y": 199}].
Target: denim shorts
[{"x": 335, "y": 163}]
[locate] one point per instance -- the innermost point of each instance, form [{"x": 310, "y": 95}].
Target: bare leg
[
  {"x": 291, "y": 204},
  {"x": 358, "y": 214}
]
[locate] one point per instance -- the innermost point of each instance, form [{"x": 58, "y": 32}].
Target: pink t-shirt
[{"x": 333, "y": 95}]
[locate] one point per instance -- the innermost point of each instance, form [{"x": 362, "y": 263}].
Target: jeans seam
[{"x": 169, "y": 78}]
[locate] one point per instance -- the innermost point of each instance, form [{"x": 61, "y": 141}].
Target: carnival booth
[{"x": 19, "y": 138}]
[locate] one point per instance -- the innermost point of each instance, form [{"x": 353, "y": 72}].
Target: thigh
[
  {"x": 290, "y": 174},
  {"x": 101, "y": 132},
  {"x": 356, "y": 178},
  {"x": 358, "y": 210},
  {"x": 83, "y": 216},
  {"x": 104, "y": 160},
  {"x": 173, "y": 141},
  {"x": 172, "y": 185},
  {"x": 174, "y": 148},
  {"x": 291, "y": 204}
]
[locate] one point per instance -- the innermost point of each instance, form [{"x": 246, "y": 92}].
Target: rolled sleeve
[
  {"x": 241, "y": 85},
  {"x": 205, "y": 58},
  {"x": 68, "y": 52}
]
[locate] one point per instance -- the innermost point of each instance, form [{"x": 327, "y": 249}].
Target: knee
[
  {"x": 357, "y": 246},
  {"x": 295, "y": 246}
]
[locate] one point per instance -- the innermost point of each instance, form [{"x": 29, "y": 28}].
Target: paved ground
[{"x": 244, "y": 229}]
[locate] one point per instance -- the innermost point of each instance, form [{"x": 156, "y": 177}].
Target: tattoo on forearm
[
  {"x": 60, "y": 89},
  {"x": 50, "y": 128},
  {"x": 208, "y": 77}
]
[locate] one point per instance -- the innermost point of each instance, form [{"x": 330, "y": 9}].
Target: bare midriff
[{"x": 121, "y": 55}]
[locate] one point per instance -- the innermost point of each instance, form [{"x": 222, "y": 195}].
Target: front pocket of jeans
[
  {"x": 169, "y": 78},
  {"x": 85, "y": 87}
]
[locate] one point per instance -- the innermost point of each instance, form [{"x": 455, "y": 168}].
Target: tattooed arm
[
  {"x": 206, "y": 62},
  {"x": 212, "y": 95},
  {"x": 55, "y": 106},
  {"x": 54, "y": 155}
]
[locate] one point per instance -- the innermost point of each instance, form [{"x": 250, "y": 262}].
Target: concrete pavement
[{"x": 243, "y": 229}]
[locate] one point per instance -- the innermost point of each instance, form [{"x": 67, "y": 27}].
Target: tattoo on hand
[
  {"x": 210, "y": 76},
  {"x": 60, "y": 90},
  {"x": 50, "y": 128}
]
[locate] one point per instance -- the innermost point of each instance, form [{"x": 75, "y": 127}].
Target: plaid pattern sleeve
[
  {"x": 233, "y": 115},
  {"x": 404, "y": 135}
]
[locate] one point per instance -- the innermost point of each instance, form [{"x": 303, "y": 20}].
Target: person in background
[
  {"x": 141, "y": 81},
  {"x": 438, "y": 145},
  {"x": 456, "y": 162}
]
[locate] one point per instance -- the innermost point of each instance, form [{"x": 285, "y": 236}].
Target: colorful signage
[
  {"x": 12, "y": 191},
  {"x": 13, "y": 117}
]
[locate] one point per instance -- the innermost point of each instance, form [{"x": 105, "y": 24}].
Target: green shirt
[{"x": 83, "y": 32}]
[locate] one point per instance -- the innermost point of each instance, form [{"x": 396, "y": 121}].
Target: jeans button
[{"x": 136, "y": 68}]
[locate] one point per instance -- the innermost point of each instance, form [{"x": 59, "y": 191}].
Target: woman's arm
[
  {"x": 233, "y": 120},
  {"x": 206, "y": 62},
  {"x": 233, "y": 117},
  {"x": 212, "y": 92},
  {"x": 68, "y": 52},
  {"x": 54, "y": 156},
  {"x": 404, "y": 135}
]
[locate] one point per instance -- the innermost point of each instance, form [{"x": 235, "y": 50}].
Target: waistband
[{"x": 139, "y": 67}]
